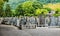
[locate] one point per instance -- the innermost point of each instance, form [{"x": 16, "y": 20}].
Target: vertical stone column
[
  {"x": 1, "y": 19},
  {"x": 58, "y": 21},
  {"x": 46, "y": 21},
  {"x": 38, "y": 22},
  {"x": 18, "y": 22},
  {"x": 42, "y": 20},
  {"x": 53, "y": 21},
  {"x": 27, "y": 20}
]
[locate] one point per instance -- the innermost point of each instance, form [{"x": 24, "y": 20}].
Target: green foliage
[
  {"x": 5, "y": 0},
  {"x": 45, "y": 11},
  {"x": 49, "y": 1},
  {"x": 1, "y": 7},
  {"x": 38, "y": 11},
  {"x": 37, "y": 5},
  {"x": 13, "y": 13},
  {"x": 2, "y": 13},
  {"x": 8, "y": 11},
  {"x": 1, "y": 2},
  {"x": 58, "y": 9},
  {"x": 28, "y": 8},
  {"x": 57, "y": 13},
  {"x": 48, "y": 9}
]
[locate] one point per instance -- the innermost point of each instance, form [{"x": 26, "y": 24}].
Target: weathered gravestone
[
  {"x": 37, "y": 19},
  {"x": 32, "y": 20},
  {"x": 11, "y": 21},
  {"x": 18, "y": 22},
  {"x": 1, "y": 19},
  {"x": 53, "y": 21},
  {"x": 47, "y": 20},
  {"x": 15, "y": 21},
  {"x": 58, "y": 21},
  {"x": 23, "y": 21},
  {"x": 41, "y": 20},
  {"x": 5, "y": 20}
]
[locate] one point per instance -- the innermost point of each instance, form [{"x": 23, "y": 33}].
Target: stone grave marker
[
  {"x": 53, "y": 21},
  {"x": 58, "y": 21},
  {"x": 32, "y": 20}
]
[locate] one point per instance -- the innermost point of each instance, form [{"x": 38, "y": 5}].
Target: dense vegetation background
[{"x": 11, "y": 8}]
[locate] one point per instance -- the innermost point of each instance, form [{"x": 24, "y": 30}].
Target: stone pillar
[
  {"x": 18, "y": 22},
  {"x": 38, "y": 22},
  {"x": 58, "y": 21},
  {"x": 1, "y": 19},
  {"x": 47, "y": 21},
  {"x": 53, "y": 21},
  {"x": 42, "y": 20}
]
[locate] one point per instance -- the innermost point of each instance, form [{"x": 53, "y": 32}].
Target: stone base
[{"x": 32, "y": 26}]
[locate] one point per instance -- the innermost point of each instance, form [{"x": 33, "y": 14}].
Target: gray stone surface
[
  {"x": 59, "y": 21},
  {"x": 39, "y": 31},
  {"x": 32, "y": 20},
  {"x": 7, "y": 28},
  {"x": 44, "y": 31},
  {"x": 1, "y": 19},
  {"x": 12, "y": 31},
  {"x": 53, "y": 21}
]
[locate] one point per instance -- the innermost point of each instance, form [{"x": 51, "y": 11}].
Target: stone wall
[{"x": 47, "y": 21}]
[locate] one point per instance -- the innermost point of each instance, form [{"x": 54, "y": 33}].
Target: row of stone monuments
[
  {"x": 55, "y": 21},
  {"x": 49, "y": 20},
  {"x": 22, "y": 22},
  {"x": 31, "y": 22}
]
